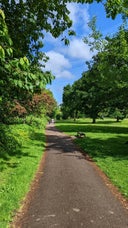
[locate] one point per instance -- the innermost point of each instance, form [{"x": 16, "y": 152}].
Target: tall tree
[
  {"x": 67, "y": 102},
  {"x": 111, "y": 62},
  {"x": 17, "y": 80},
  {"x": 105, "y": 85},
  {"x": 93, "y": 93}
]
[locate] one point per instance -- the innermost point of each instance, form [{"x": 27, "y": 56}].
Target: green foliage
[
  {"x": 36, "y": 122},
  {"x": 41, "y": 103},
  {"x": 94, "y": 40},
  {"x": 118, "y": 114},
  {"x": 27, "y": 22},
  {"x": 18, "y": 79},
  {"x": 105, "y": 85},
  {"x": 9, "y": 144},
  {"x": 19, "y": 160},
  {"x": 116, "y": 6},
  {"x": 70, "y": 102},
  {"x": 32, "y": 20}
]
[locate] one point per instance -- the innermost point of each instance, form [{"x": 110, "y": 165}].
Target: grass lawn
[
  {"x": 18, "y": 167},
  {"x": 105, "y": 142}
]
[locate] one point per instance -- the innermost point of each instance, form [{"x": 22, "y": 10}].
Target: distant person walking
[{"x": 52, "y": 120}]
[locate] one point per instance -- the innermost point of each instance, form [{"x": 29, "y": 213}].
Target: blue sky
[{"x": 68, "y": 62}]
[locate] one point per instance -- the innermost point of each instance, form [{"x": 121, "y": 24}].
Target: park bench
[{"x": 80, "y": 135}]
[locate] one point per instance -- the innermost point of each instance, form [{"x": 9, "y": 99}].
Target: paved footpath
[{"x": 71, "y": 193}]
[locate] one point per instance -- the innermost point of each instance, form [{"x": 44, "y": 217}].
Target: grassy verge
[
  {"x": 105, "y": 142},
  {"x": 19, "y": 160}
]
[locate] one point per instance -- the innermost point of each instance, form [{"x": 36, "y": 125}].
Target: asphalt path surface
[{"x": 71, "y": 193}]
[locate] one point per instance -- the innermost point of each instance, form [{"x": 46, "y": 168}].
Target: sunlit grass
[
  {"x": 18, "y": 169},
  {"x": 105, "y": 142}
]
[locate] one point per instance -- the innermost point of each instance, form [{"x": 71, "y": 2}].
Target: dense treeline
[
  {"x": 23, "y": 26},
  {"x": 103, "y": 89}
]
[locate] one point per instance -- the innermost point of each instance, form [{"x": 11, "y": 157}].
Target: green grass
[
  {"x": 18, "y": 166},
  {"x": 105, "y": 143}
]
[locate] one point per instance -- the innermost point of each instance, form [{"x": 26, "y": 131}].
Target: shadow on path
[{"x": 70, "y": 193}]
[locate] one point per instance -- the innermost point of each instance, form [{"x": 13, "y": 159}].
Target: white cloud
[
  {"x": 79, "y": 50},
  {"x": 66, "y": 74},
  {"x": 79, "y": 15},
  {"x": 58, "y": 64}
]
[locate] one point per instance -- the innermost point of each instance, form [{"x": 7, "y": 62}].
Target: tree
[
  {"x": 17, "y": 80},
  {"x": 105, "y": 85},
  {"x": 93, "y": 95},
  {"x": 41, "y": 103},
  {"x": 70, "y": 101},
  {"x": 110, "y": 69},
  {"x": 111, "y": 63},
  {"x": 29, "y": 20},
  {"x": 66, "y": 105}
]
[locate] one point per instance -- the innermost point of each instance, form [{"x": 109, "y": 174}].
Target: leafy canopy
[
  {"x": 105, "y": 85},
  {"x": 29, "y": 20},
  {"x": 18, "y": 78}
]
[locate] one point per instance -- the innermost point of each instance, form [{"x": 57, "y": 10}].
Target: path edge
[{"x": 24, "y": 205}]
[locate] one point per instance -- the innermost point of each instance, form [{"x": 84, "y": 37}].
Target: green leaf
[
  {"x": 71, "y": 33},
  {"x": 66, "y": 41},
  {"x": 21, "y": 61},
  {"x": 25, "y": 59},
  {"x": 2, "y": 53},
  {"x": 10, "y": 41},
  {"x": 20, "y": 84},
  {"x": 9, "y": 51},
  {"x": 2, "y": 14}
]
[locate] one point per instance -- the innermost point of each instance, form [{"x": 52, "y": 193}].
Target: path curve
[{"x": 70, "y": 193}]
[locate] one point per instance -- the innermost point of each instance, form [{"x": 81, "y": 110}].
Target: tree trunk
[
  {"x": 117, "y": 119},
  {"x": 74, "y": 116},
  {"x": 94, "y": 120}
]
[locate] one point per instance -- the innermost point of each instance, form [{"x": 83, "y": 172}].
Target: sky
[{"x": 68, "y": 63}]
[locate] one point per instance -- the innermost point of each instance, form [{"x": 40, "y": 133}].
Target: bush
[
  {"x": 35, "y": 121},
  {"x": 9, "y": 144}
]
